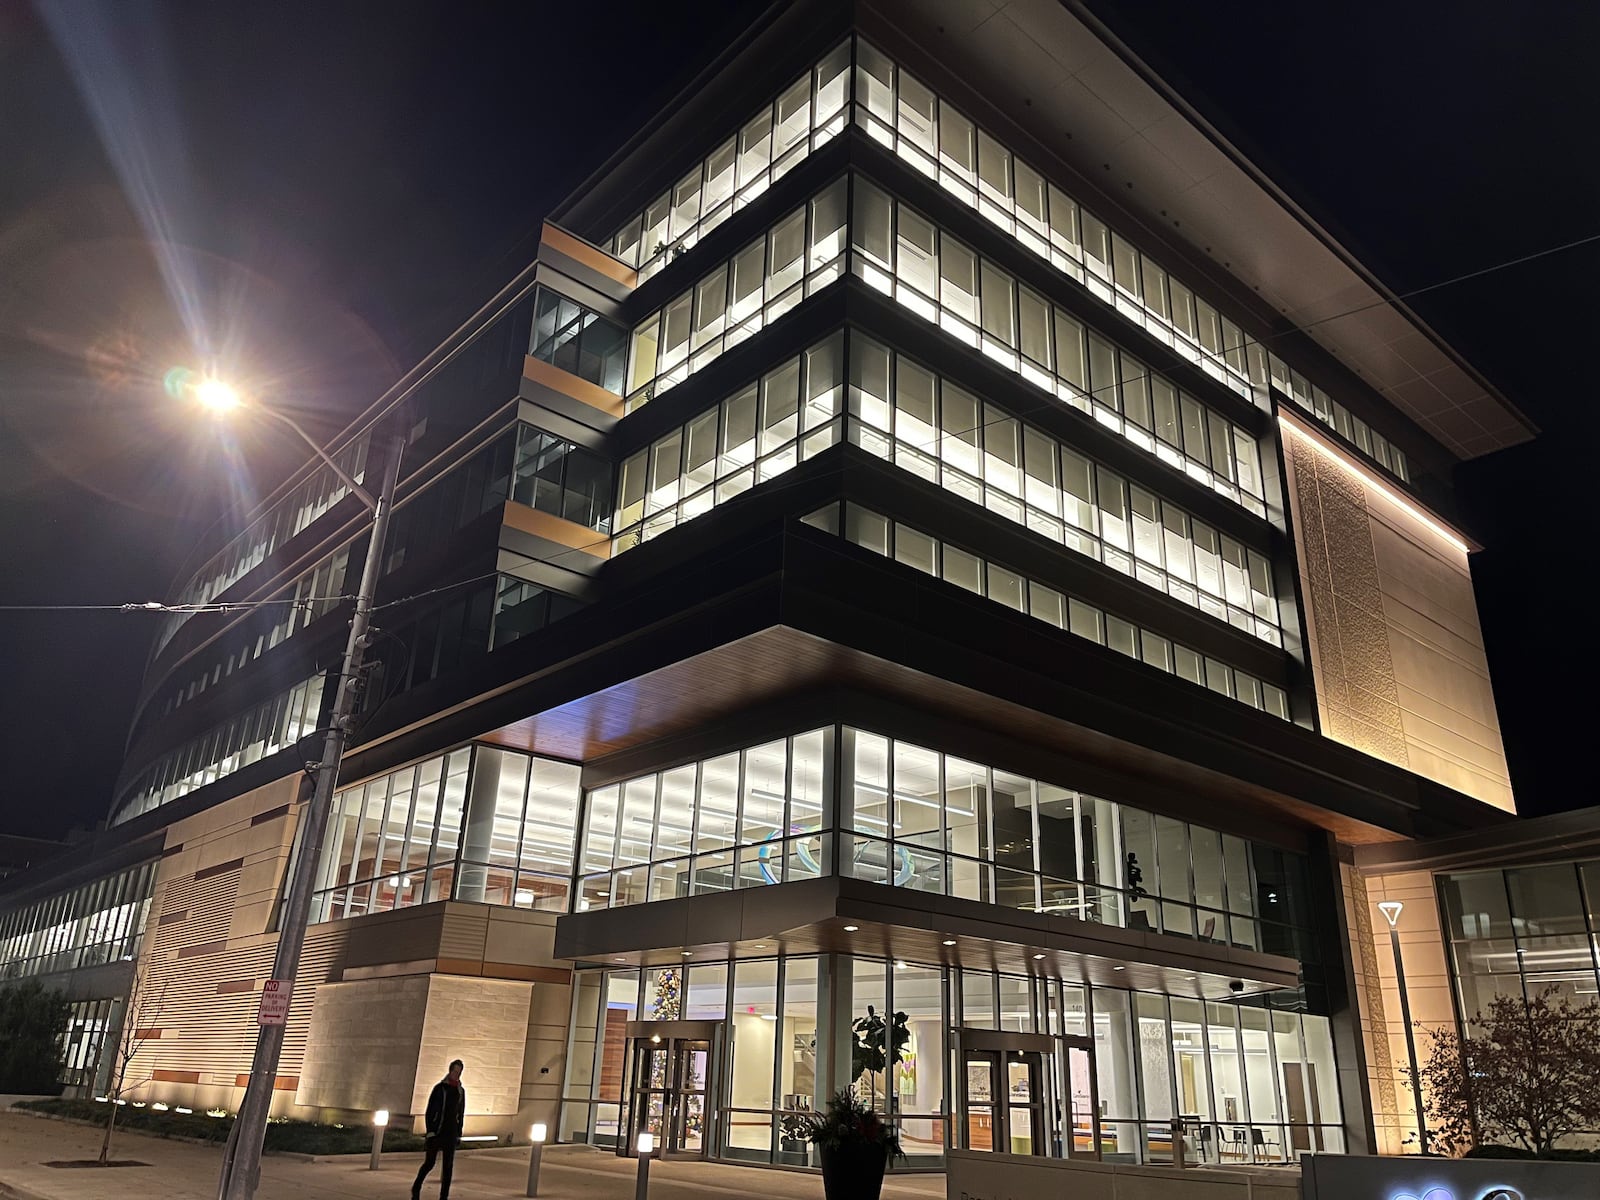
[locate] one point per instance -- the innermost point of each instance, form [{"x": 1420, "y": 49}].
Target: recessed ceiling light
[
  {"x": 688, "y": 953},
  {"x": 761, "y": 945},
  {"x": 900, "y": 964},
  {"x": 1119, "y": 968},
  {"x": 1037, "y": 957},
  {"x": 851, "y": 928},
  {"x": 619, "y": 960},
  {"x": 948, "y": 942}
]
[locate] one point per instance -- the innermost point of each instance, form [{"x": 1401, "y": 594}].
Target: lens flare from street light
[{"x": 216, "y": 395}]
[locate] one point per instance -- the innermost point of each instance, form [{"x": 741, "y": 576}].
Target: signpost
[{"x": 274, "y": 1003}]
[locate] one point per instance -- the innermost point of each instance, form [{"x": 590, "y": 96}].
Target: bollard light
[
  {"x": 380, "y": 1122},
  {"x": 641, "y": 1187},
  {"x": 536, "y": 1136}
]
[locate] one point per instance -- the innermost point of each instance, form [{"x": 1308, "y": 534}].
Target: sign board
[
  {"x": 981, "y": 1175},
  {"x": 1411, "y": 1177},
  {"x": 274, "y": 1003}
]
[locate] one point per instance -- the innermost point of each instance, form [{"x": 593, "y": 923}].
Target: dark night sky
[{"x": 335, "y": 186}]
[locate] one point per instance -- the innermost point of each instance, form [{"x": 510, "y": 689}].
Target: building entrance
[
  {"x": 669, "y": 1085},
  {"x": 1025, "y": 1093}
]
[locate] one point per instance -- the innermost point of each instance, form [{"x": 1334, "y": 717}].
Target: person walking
[{"x": 447, "y": 1106}]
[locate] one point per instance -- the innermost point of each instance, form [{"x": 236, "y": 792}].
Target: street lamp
[
  {"x": 1391, "y": 910},
  {"x": 217, "y": 395},
  {"x": 241, "y": 1163}
]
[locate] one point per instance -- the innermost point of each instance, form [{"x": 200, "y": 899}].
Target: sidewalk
[{"x": 181, "y": 1171}]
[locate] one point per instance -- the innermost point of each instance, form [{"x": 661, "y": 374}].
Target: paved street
[{"x": 181, "y": 1171}]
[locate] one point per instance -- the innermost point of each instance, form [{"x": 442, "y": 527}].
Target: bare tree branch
[{"x": 1528, "y": 1078}]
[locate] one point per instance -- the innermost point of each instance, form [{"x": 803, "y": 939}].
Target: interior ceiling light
[
  {"x": 851, "y": 928},
  {"x": 1119, "y": 968},
  {"x": 948, "y": 942},
  {"x": 1037, "y": 957}
]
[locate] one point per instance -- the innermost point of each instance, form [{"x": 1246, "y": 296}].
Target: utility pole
[{"x": 241, "y": 1164}]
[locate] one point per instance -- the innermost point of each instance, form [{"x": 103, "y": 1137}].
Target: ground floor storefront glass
[{"x": 726, "y": 1060}]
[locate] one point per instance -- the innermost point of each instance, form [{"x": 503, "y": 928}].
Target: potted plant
[
  {"x": 854, "y": 1144},
  {"x": 793, "y": 1129}
]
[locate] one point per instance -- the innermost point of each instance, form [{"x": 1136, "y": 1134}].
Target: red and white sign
[{"x": 274, "y": 1003}]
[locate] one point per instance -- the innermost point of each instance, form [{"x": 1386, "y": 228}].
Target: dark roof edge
[
  {"x": 1080, "y": 10},
  {"x": 1563, "y": 835}
]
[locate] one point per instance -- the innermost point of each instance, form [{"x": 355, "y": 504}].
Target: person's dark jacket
[{"x": 447, "y": 1107}]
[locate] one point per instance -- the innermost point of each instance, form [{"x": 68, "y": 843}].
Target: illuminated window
[{"x": 943, "y": 434}]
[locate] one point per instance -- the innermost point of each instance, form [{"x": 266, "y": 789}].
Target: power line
[
  {"x": 1091, "y": 393},
  {"x": 156, "y": 606},
  {"x": 1443, "y": 283}
]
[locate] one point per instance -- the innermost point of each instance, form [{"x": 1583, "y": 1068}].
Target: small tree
[
  {"x": 137, "y": 1014},
  {"x": 1529, "y": 1078},
  {"x": 877, "y": 1043},
  {"x": 33, "y": 1025}
]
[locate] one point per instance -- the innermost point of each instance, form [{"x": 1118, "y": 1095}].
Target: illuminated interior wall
[{"x": 1395, "y": 647}]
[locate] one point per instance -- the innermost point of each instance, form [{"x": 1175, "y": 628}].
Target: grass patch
[{"x": 297, "y": 1137}]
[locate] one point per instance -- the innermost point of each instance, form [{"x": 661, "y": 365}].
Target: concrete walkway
[{"x": 181, "y": 1171}]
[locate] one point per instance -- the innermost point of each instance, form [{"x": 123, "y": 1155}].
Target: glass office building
[{"x": 881, "y": 562}]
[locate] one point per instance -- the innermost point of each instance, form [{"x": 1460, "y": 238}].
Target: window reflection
[{"x": 1522, "y": 931}]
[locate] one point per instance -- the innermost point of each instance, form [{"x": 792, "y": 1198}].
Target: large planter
[{"x": 853, "y": 1171}]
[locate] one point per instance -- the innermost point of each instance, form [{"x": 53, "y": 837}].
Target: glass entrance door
[
  {"x": 1025, "y": 1132},
  {"x": 1083, "y": 1104},
  {"x": 687, "y": 1111},
  {"x": 1007, "y": 1099},
  {"x": 981, "y": 1076},
  {"x": 670, "y": 1085}
]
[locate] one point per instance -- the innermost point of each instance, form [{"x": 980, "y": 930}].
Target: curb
[{"x": 292, "y": 1155}]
